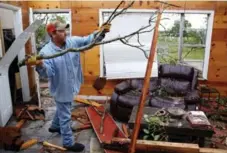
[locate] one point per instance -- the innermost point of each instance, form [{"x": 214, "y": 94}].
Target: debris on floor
[
  {"x": 88, "y": 102},
  {"x": 86, "y": 130},
  {"x": 218, "y": 122},
  {"x": 30, "y": 112},
  {"x": 28, "y": 144},
  {"x": 80, "y": 115},
  {"x": 50, "y": 150},
  {"x": 10, "y": 138}
]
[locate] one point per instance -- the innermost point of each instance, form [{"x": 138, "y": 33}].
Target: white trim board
[
  {"x": 51, "y": 10},
  {"x": 6, "y": 109},
  {"x": 18, "y": 27},
  {"x": 93, "y": 97},
  {"x": 9, "y": 7},
  {"x": 165, "y": 11},
  {"x": 208, "y": 45}
]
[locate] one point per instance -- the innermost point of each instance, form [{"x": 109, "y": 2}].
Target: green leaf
[
  {"x": 147, "y": 120},
  {"x": 145, "y": 137},
  {"x": 145, "y": 116},
  {"x": 156, "y": 137},
  {"x": 146, "y": 131},
  {"x": 154, "y": 119}
]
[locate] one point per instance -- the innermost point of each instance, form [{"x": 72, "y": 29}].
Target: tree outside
[{"x": 193, "y": 40}]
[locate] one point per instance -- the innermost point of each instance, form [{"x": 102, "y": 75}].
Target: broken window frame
[{"x": 206, "y": 46}]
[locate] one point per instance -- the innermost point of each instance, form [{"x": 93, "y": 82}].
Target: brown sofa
[{"x": 175, "y": 87}]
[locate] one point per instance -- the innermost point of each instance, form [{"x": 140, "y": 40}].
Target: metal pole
[{"x": 145, "y": 84}]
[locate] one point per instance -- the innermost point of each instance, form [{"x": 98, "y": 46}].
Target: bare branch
[
  {"x": 115, "y": 10},
  {"x": 144, "y": 51},
  {"x": 124, "y": 39},
  {"x": 138, "y": 39},
  {"x": 115, "y": 13}
]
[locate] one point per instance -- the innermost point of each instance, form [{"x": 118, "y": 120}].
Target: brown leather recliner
[{"x": 177, "y": 81}]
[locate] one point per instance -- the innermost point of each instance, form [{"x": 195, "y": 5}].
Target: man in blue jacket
[{"x": 65, "y": 77}]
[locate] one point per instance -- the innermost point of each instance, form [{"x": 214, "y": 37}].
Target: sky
[{"x": 197, "y": 20}]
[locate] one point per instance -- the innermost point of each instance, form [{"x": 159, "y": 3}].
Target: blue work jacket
[{"x": 64, "y": 72}]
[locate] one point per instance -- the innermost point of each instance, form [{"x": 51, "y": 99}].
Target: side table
[{"x": 172, "y": 129}]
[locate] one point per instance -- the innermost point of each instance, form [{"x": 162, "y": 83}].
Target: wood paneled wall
[{"x": 85, "y": 19}]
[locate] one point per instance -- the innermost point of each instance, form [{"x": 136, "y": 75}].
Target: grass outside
[{"x": 168, "y": 51}]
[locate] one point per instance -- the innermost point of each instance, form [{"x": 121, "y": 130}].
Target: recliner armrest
[
  {"x": 123, "y": 87},
  {"x": 192, "y": 97}
]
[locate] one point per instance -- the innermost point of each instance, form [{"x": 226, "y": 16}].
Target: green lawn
[{"x": 168, "y": 50}]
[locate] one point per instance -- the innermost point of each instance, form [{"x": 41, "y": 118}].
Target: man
[{"x": 65, "y": 77}]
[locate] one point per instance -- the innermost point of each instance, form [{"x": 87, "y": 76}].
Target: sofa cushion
[
  {"x": 130, "y": 99},
  {"x": 123, "y": 87},
  {"x": 166, "y": 102},
  {"x": 137, "y": 84},
  {"x": 176, "y": 71},
  {"x": 175, "y": 87}
]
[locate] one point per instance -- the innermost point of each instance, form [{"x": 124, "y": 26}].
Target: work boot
[
  {"x": 77, "y": 147},
  {"x": 53, "y": 130}
]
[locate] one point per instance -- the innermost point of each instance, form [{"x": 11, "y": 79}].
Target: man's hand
[
  {"x": 32, "y": 60},
  {"x": 105, "y": 28}
]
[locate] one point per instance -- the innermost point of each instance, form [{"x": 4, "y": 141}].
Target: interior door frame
[
  {"x": 33, "y": 41},
  {"x": 18, "y": 27}
]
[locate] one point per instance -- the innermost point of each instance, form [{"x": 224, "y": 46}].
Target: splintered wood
[
  {"x": 88, "y": 102},
  {"x": 80, "y": 115}
]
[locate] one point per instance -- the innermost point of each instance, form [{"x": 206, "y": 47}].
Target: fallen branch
[{"x": 124, "y": 39}]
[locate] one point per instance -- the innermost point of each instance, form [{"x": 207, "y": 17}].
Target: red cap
[{"x": 56, "y": 25}]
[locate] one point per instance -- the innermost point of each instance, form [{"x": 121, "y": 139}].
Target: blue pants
[{"x": 62, "y": 120}]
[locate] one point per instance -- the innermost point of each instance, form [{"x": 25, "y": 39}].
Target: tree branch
[{"x": 123, "y": 39}]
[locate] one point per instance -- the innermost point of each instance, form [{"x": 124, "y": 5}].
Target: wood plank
[
  {"x": 44, "y": 4},
  {"x": 219, "y": 25},
  {"x": 211, "y": 150},
  {"x": 220, "y": 21},
  {"x": 66, "y": 4},
  {"x": 91, "y": 91},
  {"x": 219, "y": 35},
  {"x": 76, "y": 4},
  {"x": 20, "y": 123},
  {"x": 109, "y": 127},
  {"x": 89, "y": 102},
  {"x": 91, "y": 4},
  {"x": 83, "y": 29},
  {"x": 159, "y": 146}
]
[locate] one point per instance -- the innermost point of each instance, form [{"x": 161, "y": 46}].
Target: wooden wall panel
[
  {"x": 85, "y": 19},
  {"x": 44, "y": 4}
]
